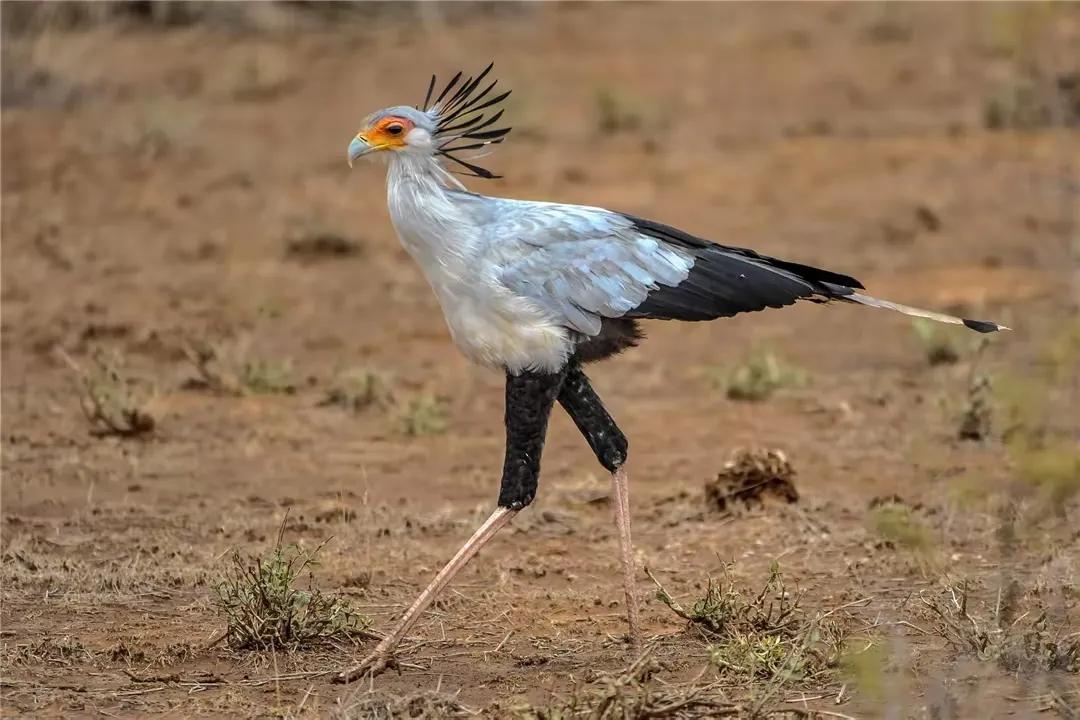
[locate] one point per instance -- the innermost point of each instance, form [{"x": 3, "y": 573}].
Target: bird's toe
[{"x": 370, "y": 666}]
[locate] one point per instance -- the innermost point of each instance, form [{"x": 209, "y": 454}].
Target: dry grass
[
  {"x": 389, "y": 706},
  {"x": 633, "y": 693},
  {"x": 764, "y": 635},
  {"x": 58, "y": 651},
  {"x": 1017, "y": 642}
]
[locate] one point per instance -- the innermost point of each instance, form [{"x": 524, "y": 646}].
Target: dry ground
[{"x": 156, "y": 176}]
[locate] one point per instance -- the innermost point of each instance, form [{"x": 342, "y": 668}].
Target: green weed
[
  {"x": 228, "y": 368},
  {"x": 758, "y": 377},
  {"x": 424, "y": 415},
  {"x": 897, "y": 526},
  {"x": 939, "y": 346},
  {"x": 357, "y": 389},
  {"x": 615, "y": 112}
]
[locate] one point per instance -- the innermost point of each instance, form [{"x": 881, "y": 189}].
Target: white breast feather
[{"x": 489, "y": 323}]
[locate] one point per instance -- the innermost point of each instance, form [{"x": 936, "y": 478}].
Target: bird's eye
[{"x": 395, "y": 128}]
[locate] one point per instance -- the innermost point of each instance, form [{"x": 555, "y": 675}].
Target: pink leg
[
  {"x": 621, "y": 490},
  {"x": 382, "y": 655}
]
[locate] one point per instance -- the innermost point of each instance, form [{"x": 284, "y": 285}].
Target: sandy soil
[{"x": 154, "y": 179}]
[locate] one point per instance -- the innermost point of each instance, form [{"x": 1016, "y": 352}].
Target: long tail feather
[{"x": 976, "y": 325}]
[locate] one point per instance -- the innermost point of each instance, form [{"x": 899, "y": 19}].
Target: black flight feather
[{"x": 725, "y": 281}]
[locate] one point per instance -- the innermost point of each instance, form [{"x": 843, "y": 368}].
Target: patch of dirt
[{"x": 144, "y": 207}]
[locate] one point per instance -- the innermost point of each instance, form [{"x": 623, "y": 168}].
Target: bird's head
[{"x": 458, "y": 120}]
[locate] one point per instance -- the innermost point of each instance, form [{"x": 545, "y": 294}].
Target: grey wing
[
  {"x": 581, "y": 264},
  {"x": 584, "y": 264}
]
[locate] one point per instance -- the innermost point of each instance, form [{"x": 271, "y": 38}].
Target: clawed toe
[{"x": 370, "y": 666}]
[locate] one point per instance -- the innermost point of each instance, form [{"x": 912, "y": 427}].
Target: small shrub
[
  {"x": 896, "y": 524},
  {"x": 1043, "y": 457},
  {"x": 1022, "y": 408},
  {"x": 939, "y": 346},
  {"x": 264, "y": 609},
  {"x": 1033, "y": 103},
  {"x": 616, "y": 113},
  {"x": 1061, "y": 356},
  {"x": 228, "y": 368},
  {"x": 360, "y": 388},
  {"x": 976, "y": 421},
  {"x": 1053, "y": 469},
  {"x": 265, "y": 377},
  {"x": 424, "y": 415},
  {"x": 761, "y": 375},
  {"x": 107, "y": 400}
]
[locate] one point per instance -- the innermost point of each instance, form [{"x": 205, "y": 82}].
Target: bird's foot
[
  {"x": 374, "y": 664},
  {"x": 633, "y": 641}
]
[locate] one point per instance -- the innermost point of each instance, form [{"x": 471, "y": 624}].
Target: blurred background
[{"x": 206, "y": 316}]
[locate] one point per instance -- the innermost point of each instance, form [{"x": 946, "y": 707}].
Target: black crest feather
[{"x": 460, "y": 110}]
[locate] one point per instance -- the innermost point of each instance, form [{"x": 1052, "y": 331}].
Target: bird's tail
[{"x": 982, "y": 326}]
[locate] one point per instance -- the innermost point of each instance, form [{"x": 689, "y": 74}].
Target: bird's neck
[
  {"x": 419, "y": 173},
  {"x": 426, "y": 210}
]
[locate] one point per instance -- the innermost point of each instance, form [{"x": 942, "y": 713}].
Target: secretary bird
[{"x": 538, "y": 289}]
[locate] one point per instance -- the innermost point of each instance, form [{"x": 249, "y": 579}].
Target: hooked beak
[{"x": 358, "y": 148}]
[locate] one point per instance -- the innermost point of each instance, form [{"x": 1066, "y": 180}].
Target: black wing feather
[{"x": 725, "y": 281}]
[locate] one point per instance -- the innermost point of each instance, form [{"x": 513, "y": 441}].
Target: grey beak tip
[{"x": 357, "y": 148}]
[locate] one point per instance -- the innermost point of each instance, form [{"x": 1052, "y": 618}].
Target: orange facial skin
[{"x": 388, "y": 133}]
